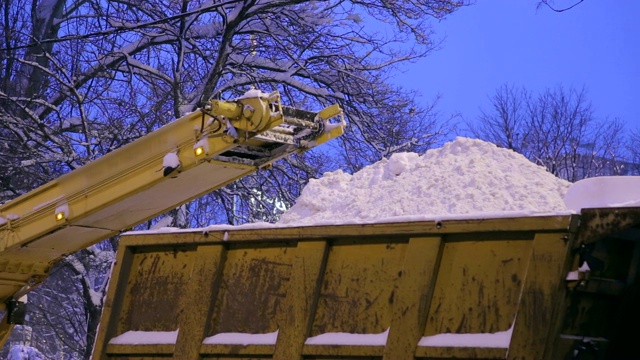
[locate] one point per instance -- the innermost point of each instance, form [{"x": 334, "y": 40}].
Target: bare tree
[
  {"x": 565, "y": 7},
  {"x": 633, "y": 149},
  {"x": 504, "y": 123},
  {"x": 81, "y": 78},
  {"x": 557, "y": 129}
]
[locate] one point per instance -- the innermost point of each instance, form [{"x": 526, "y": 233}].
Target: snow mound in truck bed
[{"x": 465, "y": 176}]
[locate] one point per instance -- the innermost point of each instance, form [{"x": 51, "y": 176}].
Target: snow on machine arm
[{"x": 191, "y": 156}]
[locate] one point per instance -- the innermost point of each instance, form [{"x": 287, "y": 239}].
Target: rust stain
[
  {"x": 252, "y": 292},
  {"x": 598, "y": 223}
]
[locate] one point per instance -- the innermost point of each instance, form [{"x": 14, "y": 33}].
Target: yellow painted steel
[
  {"x": 395, "y": 284},
  {"x": 414, "y": 296},
  {"x": 130, "y": 185},
  {"x": 400, "y": 288}
]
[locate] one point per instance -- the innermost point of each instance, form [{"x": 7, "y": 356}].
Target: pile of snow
[{"x": 464, "y": 177}]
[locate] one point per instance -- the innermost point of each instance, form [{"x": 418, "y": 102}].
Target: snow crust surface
[
  {"x": 604, "y": 191},
  {"x": 146, "y": 337},
  {"x": 341, "y": 338},
  {"x": 242, "y": 339},
  {"x": 23, "y": 352},
  {"x": 171, "y": 160},
  {"x": 501, "y": 339},
  {"x": 465, "y": 176}
]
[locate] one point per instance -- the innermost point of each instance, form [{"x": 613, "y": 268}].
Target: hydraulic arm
[{"x": 200, "y": 152}]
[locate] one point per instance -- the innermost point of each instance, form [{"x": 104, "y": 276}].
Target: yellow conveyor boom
[{"x": 189, "y": 157}]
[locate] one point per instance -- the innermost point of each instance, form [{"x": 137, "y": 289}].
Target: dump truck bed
[
  {"x": 498, "y": 288},
  {"x": 467, "y": 289}
]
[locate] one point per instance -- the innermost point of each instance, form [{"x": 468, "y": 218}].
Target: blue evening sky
[{"x": 493, "y": 42}]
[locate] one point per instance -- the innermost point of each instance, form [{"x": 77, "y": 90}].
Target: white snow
[
  {"x": 464, "y": 177},
  {"x": 231, "y": 129},
  {"x": 584, "y": 268},
  {"x": 355, "y": 18},
  {"x": 24, "y": 352},
  {"x": 186, "y": 109},
  {"x": 572, "y": 276},
  {"x": 341, "y": 338},
  {"x": 44, "y": 10},
  {"x": 47, "y": 203},
  {"x": 575, "y": 275},
  {"x": 145, "y": 338},
  {"x": 253, "y": 93},
  {"x": 162, "y": 223},
  {"x": 71, "y": 122},
  {"x": 345, "y": 221},
  {"x": 245, "y": 339},
  {"x": 493, "y": 340},
  {"x": 604, "y": 191},
  {"x": 171, "y": 160}
]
